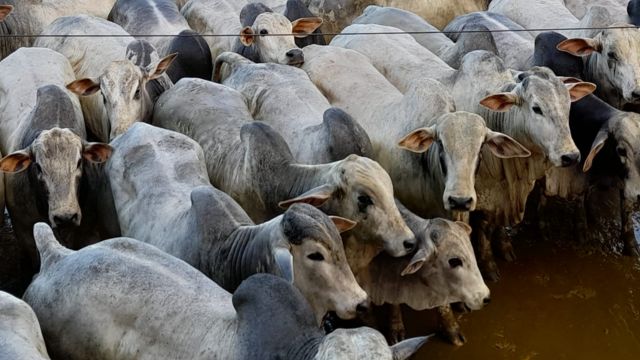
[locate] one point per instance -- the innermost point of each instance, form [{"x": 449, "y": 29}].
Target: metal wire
[{"x": 321, "y": 34}]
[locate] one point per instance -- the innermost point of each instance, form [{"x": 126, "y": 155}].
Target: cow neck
[{"x": 247, "y": 251}]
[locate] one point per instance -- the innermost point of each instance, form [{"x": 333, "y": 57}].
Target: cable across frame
[{"x": 322, "y": 34}]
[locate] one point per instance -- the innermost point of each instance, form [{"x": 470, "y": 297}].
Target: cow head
[
  {"x": 540, "y": 102},
  {"x": 459, "y": 138},
  {"x": 620, "y": 138},
  {"x": 613, "y": 58},
  {"x": 56, "y": 158},
  {"x": 320, "y": 268},
  {"x": 452, "y": 269},
  {"x": 124, "y": 92},
  {"x": 278, "y": 49},
  {"x": 360, "y": 189}
]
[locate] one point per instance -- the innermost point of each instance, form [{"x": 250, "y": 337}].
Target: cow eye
[
  {"x": 136, "y": 96},
  {"x": 38, "y": 168},
  {"x": 264, "y": 32},
  {"x": 104, "y": 100},
  {"x": 455, "y": 262},
  {"x": 316, "y": 256},
  {"x": 537, "y": 110},
  {"x": 364, "y": 201},
  {"x": 79, "y": 163},
  {"x": 622, "y": 152},
  {"x": 612, "y": 56}
]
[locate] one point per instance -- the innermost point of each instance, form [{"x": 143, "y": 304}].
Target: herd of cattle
[{"x": 347, "y": 174}]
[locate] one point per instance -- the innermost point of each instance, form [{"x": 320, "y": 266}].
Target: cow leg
[
  {"x": 486, "y": 262},
  {"x": 449, "y": 327},
  {"x": 502, "y": 242},
  {"x": 396, "y": 325},
  {"x": 628, "y": 234}
]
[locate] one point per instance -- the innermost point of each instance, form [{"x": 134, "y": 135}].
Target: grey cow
[
  {"x": 186, "y": 217},
  {"x": 284, "y": 97},
  {"x": 20, "y": 334},
  {"x": 159, "y": 307},
  {"x": 48, "y": 171}
]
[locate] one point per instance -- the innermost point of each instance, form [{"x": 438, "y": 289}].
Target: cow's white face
[
  {"x": 614, "y": 59},
  {"x": 320, "y": 267},
  {"x": 619, "y": 61},
  {"x": 278, "y": 49},
  {"x": 458, "y": 139},
  {"x": 359, "y": 189},
  {"x": 543, "y": 102},
  {"x": 452, "y": 269},
  {"x": 124, "y": 92},
  {"x": 56, "y": 156}
]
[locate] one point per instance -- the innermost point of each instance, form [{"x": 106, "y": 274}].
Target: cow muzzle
[
  {"x": 65, "y": 218},
  {"x": 295, "y": 57}
]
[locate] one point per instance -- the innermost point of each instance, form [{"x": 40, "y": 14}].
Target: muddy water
[{"x": 557, "y": 301}]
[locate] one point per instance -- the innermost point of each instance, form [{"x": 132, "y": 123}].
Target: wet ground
[{"x": 557, "y": 301}]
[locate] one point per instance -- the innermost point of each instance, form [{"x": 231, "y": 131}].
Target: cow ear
[
  {"x": 579, "y": 46},
  {"x": 16, "y": 162},
  {"x": 406, "y": 348},
  {"x": 342, "y": 224},
  {"x": 418, "y": 259},
  {"x": 4, "y": 11},
  {"x": 504, "y": 146},
  {"x": 157, "y": 68},
  {"x": 596, "y": 146},
  {"x": 305, "y": 26},
  {"x": 500, "y": 102},
  {"x": 247, "y": 36},
  {"x": 284, "y": 259},
  {"x": 465, "y": 227},
  {"x": 96, "y": 152},
  {"x": 315, "y": 197},
  {"x": 579, "y": 90},
  {"x": 419, "y": 140},
  {"x": 84, "y": 87}
]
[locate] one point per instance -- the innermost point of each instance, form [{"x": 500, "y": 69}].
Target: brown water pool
[{"x": 557, "y": 302}]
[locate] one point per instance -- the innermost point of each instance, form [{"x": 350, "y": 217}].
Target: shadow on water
[{"x": 556, "y": 301}]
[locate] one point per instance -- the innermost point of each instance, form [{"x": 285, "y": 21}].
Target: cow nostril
[
  {"x": 362, "y": 308},
  {"x": 486, "y": 300},
  {"x": 74, "y": 218},
  {"x": 636, "y": 94},
  {"x": 570, "y": 159},
  {"x": 460, "y": 203},
  {"x": 409, "y": 245}
]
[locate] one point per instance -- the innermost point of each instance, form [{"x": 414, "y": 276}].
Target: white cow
[
  {"x": 222, "y": 17},
  {"x": 124, "y": 299},
  {"x": 30, "y": 17},
  {"x": 432, "y": 184},
  {"x": 20, "y": 335},
  {"x": 101, "y": 66}
]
